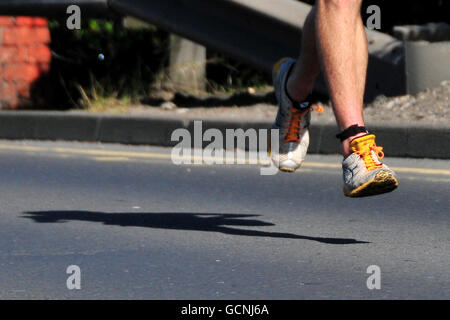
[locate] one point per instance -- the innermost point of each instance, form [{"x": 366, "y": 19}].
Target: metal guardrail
[
  {"x": 255, "y": 31},
  {"x": 227, "y": 26}
]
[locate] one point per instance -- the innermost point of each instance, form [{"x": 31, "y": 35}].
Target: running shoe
[
  {"x": 292, "y": 121},
  {"x": 364, "y": 174}
]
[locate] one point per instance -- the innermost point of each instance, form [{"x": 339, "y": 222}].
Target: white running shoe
[{"x": 292, "y": 120}]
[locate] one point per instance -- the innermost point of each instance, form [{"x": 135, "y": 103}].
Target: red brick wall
[{"x": 24, "y": 57}]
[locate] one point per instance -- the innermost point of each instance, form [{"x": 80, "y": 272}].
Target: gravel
[{"x": 430, "y": 107}]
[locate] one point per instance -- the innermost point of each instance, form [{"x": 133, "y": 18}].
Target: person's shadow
[{"x": 211, "y": 222}]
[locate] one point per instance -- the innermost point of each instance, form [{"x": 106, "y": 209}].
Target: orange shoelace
[
  {"x": 366, "y": 155},
  {"x": 293, "y": 127}
]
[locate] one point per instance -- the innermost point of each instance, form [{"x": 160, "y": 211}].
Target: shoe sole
[
  {"x": 287, "y": 169},
  {"x": 382, "y": 183}
]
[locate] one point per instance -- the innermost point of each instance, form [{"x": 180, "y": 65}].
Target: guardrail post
[{"x": 187, "y": 70}]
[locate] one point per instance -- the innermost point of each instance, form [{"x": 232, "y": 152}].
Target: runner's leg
[
  {"x": 343, "y": 52},
  {"x": 307, "y": 68}
]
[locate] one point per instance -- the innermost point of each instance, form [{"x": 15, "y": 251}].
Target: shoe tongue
[{"x": 363, "y": 143}]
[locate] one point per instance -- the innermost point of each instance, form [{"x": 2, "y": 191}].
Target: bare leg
[
  {"x": 334, "y": 38},
  {"x": 307, "y": 68},
  {"x": 343, "y": 52}
]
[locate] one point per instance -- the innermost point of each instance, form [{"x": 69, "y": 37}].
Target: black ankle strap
[{"x": 351, "y": 131}]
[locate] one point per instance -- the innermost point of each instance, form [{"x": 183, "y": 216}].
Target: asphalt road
[{"x": 141, "y": 227}]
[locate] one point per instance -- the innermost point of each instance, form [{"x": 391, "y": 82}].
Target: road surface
[{"x": 140, "y": 227}]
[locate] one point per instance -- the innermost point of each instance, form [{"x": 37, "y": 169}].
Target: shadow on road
[{"x": 179, "y": 221}]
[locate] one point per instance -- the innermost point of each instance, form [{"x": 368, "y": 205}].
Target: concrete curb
[{"x": 397, "y": 140}]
